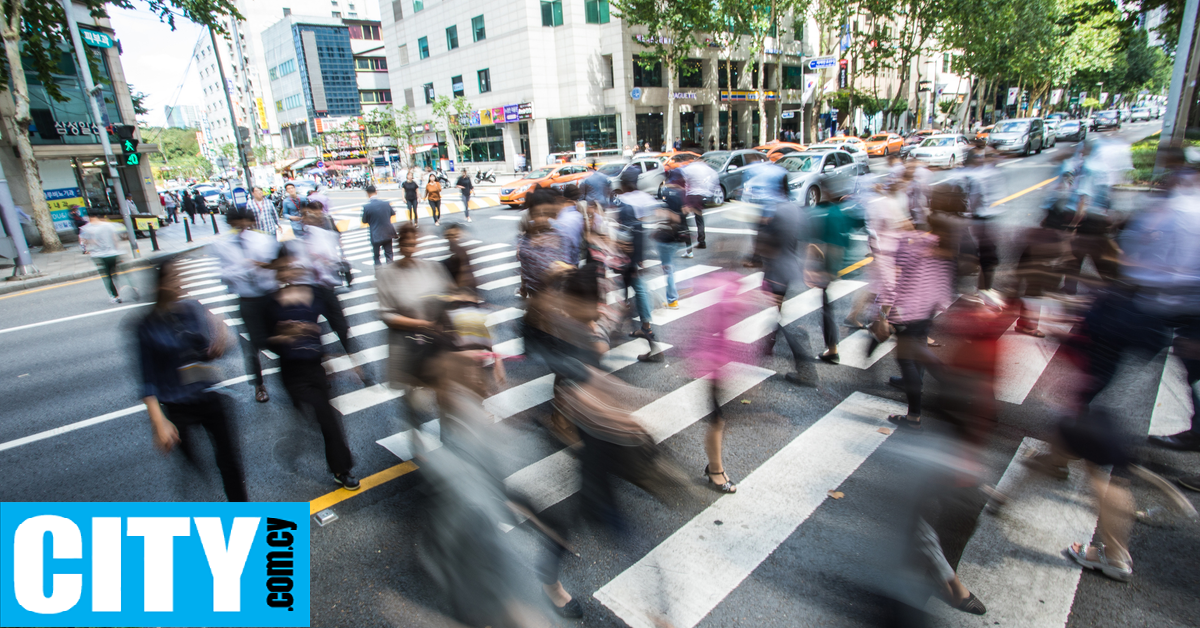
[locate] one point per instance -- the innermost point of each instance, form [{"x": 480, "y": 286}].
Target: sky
[{"x": 155, "y": 58}]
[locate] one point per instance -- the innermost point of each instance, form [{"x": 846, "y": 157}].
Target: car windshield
[
  {"x": 1107, "y": 114},
  {"x": 801, "y": 163},
  {"x": 938, "y": 141},
  {"x": 878, "y": 138},
  {"x": 541, "y": 173},
  {"x": 716, "y": 160},
  {"x": 612, "y": 170},
  {"x": 1011, "y": 126},
  {"x": 1069, "y": 125}
]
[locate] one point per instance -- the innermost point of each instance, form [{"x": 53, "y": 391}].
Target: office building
[{"x": 182, "y": 116}]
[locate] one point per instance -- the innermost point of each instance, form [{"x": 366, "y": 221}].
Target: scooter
[
  {"x": 489, "y": 176},
  {"x": 441, "y": 177}
]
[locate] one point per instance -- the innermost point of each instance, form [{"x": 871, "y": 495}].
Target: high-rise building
[{"x": 182, "y": 116}]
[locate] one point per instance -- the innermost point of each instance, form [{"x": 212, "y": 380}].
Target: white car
[
  {"x": 856, "y": 151},
  {"x": 946, "y": 150},
  {"x": 1140, "y": 114}
]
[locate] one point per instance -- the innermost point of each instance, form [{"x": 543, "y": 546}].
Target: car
[
  {"x": 1023, "y": 135},
  {"x": 1057, "y": 116},
  {"x": 859, "y": 155},
  {"x": 946, "y": 150},
  {"x": 212, "y": 196},
  {"x": 775, "y": 150},
  {"x": 884, "y": 144},
  {"x": 815, "y": 176},
  {"x": 304, "y": 187},
  {"x": 913, "y": 140},
  {"x": 845, "y": 140},
  {"x": 676, "y": 159},
  {"x": 1125, "y": 115},
  {"x": 1140, "y": 114},
  {"x": 1105, "y": 120},
  {"x": 982, "y": 134},
  {"x": 1071, "y": 131},
  {"x": 730, "y": 166},
  {"x": 1050, "y": 136},
  {"x": 514, "y": 193},
  {"x": 651, "y": 174}
]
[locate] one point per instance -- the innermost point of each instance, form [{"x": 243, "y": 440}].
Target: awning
[
  {"x": 303, "y": 163},
  {"x": 347, "y": 162},
  {"x": 424, "y": 149}
]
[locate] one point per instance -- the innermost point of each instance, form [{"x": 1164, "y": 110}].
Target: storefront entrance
[
  {"x": 650, "y": 129},
  {"x": 691, "y": 128},
  {"x": 724, "y": 130}
]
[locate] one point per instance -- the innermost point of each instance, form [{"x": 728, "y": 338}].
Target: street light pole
[
  {"x": 237, "y": 136},
  {"x": 94, "y": 91}
]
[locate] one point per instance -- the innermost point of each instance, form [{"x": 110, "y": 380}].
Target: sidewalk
[{"x": 71, "y": 263}]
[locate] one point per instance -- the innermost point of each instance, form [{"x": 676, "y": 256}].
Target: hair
[
  {"x": 452, "y": 226},
  {"x": 571, "y": 192},
  {"x": 160, "y": 269},
  {"x": 238, "y": 213},
  {"x": 289, "y": 184},
  {"x": 370, "y": 189},
  {"x": 432, "y": 178},
  {"x": 405, "y": 230},
  {"x": 257, "y": 187},
  {"x": 543, "y": 196}
]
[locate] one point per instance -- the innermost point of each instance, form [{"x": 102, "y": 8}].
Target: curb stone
[{"x": 17, "y": 285}]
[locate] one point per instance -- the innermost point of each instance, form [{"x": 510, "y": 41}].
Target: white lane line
[
  {"x": 74, "y": 318},
  {"x": 356, "y": 331},
  {"x": 195, "y": 262},
  {"x": 1014, "y": 560},
  {"x": 354, "y": 294},
  {"x": 197, "y": 284},
  {"x": 432, "y": 242},
  {"x": 500, "y": 283},
  {"x": 852, "y": 350},
  {"x": 218, "y": 299},
  {"x": 770, "y": 504},
  {"x": 232, "y": 322},
  {"x": 1022, "y": 359},
  {"x": 224, "y": 309},
  {"x": 493, "y": 257},
  {"x": 435, "y": 249},
  {"x": 359, "y": 309},
  {"x": 194, "y": 293},
  {"x": 507, "y": 314},
  {"x": 498, "y": 268},
  {"x": 203, "y": 271},
  {"x": 364, "y": 398},
  {"x": 1173, "y": 405},
  {"x": 426, "y": 237},
  {"x": 488, "y": 247},
  {"x": 757, "y": 326},
  {"x": 556, "y": 477},
  {"x": 729, "y": 231},
  {"x": 659, "y": 282},
  {"x": 691, "y": 305},
  {"x": 506, "y": 217}
]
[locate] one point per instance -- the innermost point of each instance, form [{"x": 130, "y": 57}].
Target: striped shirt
[
  {"x": 264, "y": 216},
  {"x": 922, "y": 287}
]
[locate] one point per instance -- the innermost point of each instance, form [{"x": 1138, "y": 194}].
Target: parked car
[
  {"x": 676, "y": 159},
  {"x": 845, "y": 140},
  {"x": 1126, "y": 115},
  {"x": 815, "y": 176},
  {"x": 514, "y": 194},
  {"x": 1050, "y": 133},
  {"x": 730, "y": 167},
  {"x": 859, "y": 155},
  {"x": 884, "y": 144},
  {"x": 1071, "y": 131},
  {"x": 946, "y": 150},
  {"x": 1140, "y": 114},
  {"x": 1023, "y": 135},
  {"x": 776, "y": 150},
  {"x": 651, "y": 174},
  {"x": 1057, "y": 116},
  {"x": 1105, "y": 120},
  {"x": 982, "y": 135},
  {"x": 913, "y": 140}
]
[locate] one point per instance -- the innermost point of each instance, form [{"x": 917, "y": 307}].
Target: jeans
[
  {"x": 989, "y": 259},
  {"x": 385, "y": 247},
  {"x": 666, "y": 253},
  {"x": 107, "y": 267},
  {"x": 913, "y": 356},
  {"x": 631, "y": 277},
  {"x": 466, "y": 196},
  {"x": 209, "y": 413},
  {"x": 435, "y": 210},
  {"x": 307, "y": 384},
  {"x": 696, "y": 204},
  {"x": 253, "y": 311},
  {"x": 412, "y": 209}
]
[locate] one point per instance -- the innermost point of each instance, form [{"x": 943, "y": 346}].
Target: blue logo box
[{"x": 154, "y": 564}]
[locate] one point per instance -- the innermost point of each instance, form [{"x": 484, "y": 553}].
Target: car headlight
[
  {"x": 506, "y": 191},
  {"x": 794, "y": 184}
]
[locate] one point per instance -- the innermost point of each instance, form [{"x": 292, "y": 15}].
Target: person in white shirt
[
  {"x": 101, "y": 239},
  {"x": 265, "y": 219},
  {"x": 129, "y": 206}
]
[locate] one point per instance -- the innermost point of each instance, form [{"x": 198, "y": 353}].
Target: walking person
[
  {"x": 291, "y": 208},
  {"x": 171, "y": 205},
  {"x": 671, "y": 234},
  {"x": 265, "y": 220},
  {"x": 245, "y": 257},
  {"x": 633, "y": 206},
  {"x": 189, "y": 205},
  {"x": 782, "y": 241},
  {"x": 318, "y": 251},
  {"x": 129, "y": 207},
  {"x": 377, "y": 215},
  {"x": 700, "y": 184},
  {"x": 102, "y": 239},
  {"x": 201, "y": 205},
  {"x": 433, "y": 196},
  {"x": 176, "y": 342},
  {"x": 410, "y": 196},
  {"x": 465, "y": 187}
]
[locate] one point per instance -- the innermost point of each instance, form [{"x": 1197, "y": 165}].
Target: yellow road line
[
  {"x": 365, "y": 484},
  {"x": 855, "y": 266},
  {"x": 68, "y": 283},
  {"x": 1023, "y": 192}
]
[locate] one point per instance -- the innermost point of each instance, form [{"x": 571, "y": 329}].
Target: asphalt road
[{"x": 807, "y": 561}]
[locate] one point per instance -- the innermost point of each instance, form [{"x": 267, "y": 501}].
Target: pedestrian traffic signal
[
  {"x": 129, "y": 146},
  {"x": 132, "y": 159}
]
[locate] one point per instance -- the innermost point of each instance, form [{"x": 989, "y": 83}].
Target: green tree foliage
[
  {"x": 452, "y": 113},
  {"x": 139, "y": 101}
]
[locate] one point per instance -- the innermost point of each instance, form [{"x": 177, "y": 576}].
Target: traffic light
[
  {"x": 132, "y": 159},
  {"x": 123, "y": 131},
  {"x": 129, "y": 146},
  {"x": 129, "y": 154}
]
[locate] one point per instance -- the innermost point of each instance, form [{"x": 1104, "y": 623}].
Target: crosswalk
[{"x": 684, "y": 577}]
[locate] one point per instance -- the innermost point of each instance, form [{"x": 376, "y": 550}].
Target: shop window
[
  {"x": 596, "y": 11},
  {"x": 484, "y": 143},
  {"x": 423, "y": 47},
  {"x": 478, "y": 32},
  {"x": 552, "y": 13},
  {"x": 600, "y": 133},
  {"x": 691, "y": 73},
  {"x": 485, "y": 81},
  {"x": 647, "y": 75},
  {"x": 428, "y": 87},
  {"x": 452, "y": 38},
  {"x": 456, "y": 86}
]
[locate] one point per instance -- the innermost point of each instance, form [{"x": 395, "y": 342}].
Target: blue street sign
[
  {"x": 239, "y": 197},
  {"x": 320, "y": 164},
  {"x": 822, "y": 62},
  {"x": 381, "y": 161},
  {"x": 635, "y": 93}
]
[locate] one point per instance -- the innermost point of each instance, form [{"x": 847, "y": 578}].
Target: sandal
[
  {"x": 970, "y": 605},
  {"x": 1112, "y": 568},
  {"x": 1030, "y": 331},
  {"x": 727, "y": 487},
  {"x": 902, "y": 420},
  {"x": 260, "y": 394}
]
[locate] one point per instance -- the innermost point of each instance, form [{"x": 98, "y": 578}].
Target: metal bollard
[
  {"x": 187, "y": 229},
  {"x": 153, "y": 238},
  {"x": 216, "y": 229}
]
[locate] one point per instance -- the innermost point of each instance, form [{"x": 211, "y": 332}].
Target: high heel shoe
[{"x": 727, "y": 487}]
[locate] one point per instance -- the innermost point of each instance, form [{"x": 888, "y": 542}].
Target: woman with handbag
[{"x": 177, "y": 341}]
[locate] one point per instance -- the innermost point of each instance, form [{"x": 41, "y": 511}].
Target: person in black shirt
[
  {"x": 410, "y": 197},
  {"x": 465, "y": 186}
]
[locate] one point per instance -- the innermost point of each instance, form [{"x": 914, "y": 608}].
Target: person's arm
[{"x": 166, "y": 436}]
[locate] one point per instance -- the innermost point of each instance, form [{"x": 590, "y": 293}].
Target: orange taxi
[
  {"x": 776, "y": 149},
  {"x": 675, "y": 159},
  {"x": 884, "y": 144},
  {"x": 983, "y": 133},
  {"x": 513, "y": 194}
]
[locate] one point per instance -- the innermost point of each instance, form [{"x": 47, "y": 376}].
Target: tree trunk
[
  {"x": 669, "y": 125},
  {"x": 729, "y": 106},
  {"x": 982, "y": 92},
  {"x": 762, "y": 93},
  {"x": 779, "y": 90},
  {"x": 39, "y": 209}
]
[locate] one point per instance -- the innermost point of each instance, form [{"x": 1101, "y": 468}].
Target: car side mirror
[
  {"x": 828, "y": 168},
  {"x": 731, "y": 168}
]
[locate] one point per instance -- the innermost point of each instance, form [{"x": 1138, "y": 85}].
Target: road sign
[
  {"x": 636, "y": 93},
  {"x": 98, "y": 40},
  {"x": 320, "y": 164},
  {"x": 787, "y": 115},
  {"x": 239, "y": 197},
  {"x": 822, "y": 62}
]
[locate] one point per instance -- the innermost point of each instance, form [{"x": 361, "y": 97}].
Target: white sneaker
[
  {"x": 115, "y": 300},
  {"x": 468, "y": 219}
]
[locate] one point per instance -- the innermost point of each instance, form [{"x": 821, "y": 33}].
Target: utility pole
[
  {"x": 1183, "y": 84},
  {"x": 241, "y": 59},
  {"x": 237, "y": 136},
  {"x": 110, "y": 160}
]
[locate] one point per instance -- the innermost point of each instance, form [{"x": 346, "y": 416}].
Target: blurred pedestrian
[
  {"x": 700, "y": 184},
  {"x": 782, "y": 242},
  {"x": 433, "y": 196},
  {"x": 410, "y": 196},
  {"x": 265, "y": 219},
  {"x": 201, "y": 205},
  {"x": 377, "y": 214},
  {"x": 101, "y": 239},
  {"x": 458, "y": 264},
  {"x": 319, "y": 256},
  {"x": 465, "y": 187},
  {"x": 634, "y": 207},
  {"x": 245, "y": 257},
  {"x": 189, "y": 206},
  {"x": 171, "y": 205}
]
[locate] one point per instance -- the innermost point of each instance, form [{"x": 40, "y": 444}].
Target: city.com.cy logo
[{"x": 154, "y": 564}]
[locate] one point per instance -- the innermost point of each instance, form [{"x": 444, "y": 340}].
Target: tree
[
  {"x": 139, "y": 101},
  {"x": 451, "y": 112},
  {"x": 34, "y": 32},
  {"x": 671, "y": 27}
]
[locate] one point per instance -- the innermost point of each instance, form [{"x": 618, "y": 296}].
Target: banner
[
  {"x": 1012, "y": 96},
  {"x": 1103, "y": 97},
  {"x": 1055, "y": 96},
  {"x": 61, "y": 201}
]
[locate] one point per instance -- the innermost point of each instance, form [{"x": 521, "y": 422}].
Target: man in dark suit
[{"x": 377, "y": 214}]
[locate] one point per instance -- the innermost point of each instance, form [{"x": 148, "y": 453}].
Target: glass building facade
[
  {"x": 329, "y": 81},
  {"x": 69, "y": 121}
]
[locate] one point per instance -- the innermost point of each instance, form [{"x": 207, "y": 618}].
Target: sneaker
[
  {"x": 348, "y": 482},
  {"x": 688, "y": 255},
  {"x": 673, "y": 305},
  {"x": 702, "y": 246},
  {"x": 115, "y": 300},
  {"x": 468, "y": 219}
]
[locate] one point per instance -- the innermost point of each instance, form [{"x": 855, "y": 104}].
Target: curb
[{"x": 17, "y": 285}]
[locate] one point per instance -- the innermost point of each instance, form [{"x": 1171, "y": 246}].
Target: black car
[{"x": 1107, "y": 120}]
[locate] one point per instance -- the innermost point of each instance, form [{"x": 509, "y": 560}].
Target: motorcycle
[
  {"x": 489, "y": 176},
  {"x": 441, "y": 177}
]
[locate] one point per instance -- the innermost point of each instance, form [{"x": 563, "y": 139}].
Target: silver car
[
  {"x": 650, "y": 174},
  {"x": 815, "y": 176},
  {"x": 730, "y": 167},
  {"x": 1019, "y": 135}
]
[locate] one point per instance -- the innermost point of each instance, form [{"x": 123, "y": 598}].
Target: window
[
  {"x": 278, "y": 105},
  {"x": 485, "y": 81},
  {"x": 600, "y": 133},
  {"x": 793, "y": 77},
  {"x": 452, "y": 38},
  {"x": 370, "y": 64},
  {"x": 371, "y": 31},
  {"x": 351, "y": 7},
  {"x": 596, "y": 10},
  {"x": 398, "y": 10},
  {"x": 375, "y": 96},
  {"x": 946, "y": 62},
  {"x": 606, "y": 67},
  {"x": 647, "y": 76},
  {"x": 423, "y": 47},
  {"x": 484, "y": 143},
  {"x": 404, "y": 54},
  {"x": 418, "y": 6},
  {"x": 428, "y": 87},
  {"x": 333, "y": 2},
  {"x": 456, "y": 85},
  {"x": 270, "y": 73},
  {"x": 478, "y": 32},
  {"x": 408, "y": 98},
  {"x": 294, "y": 101},
  {"x": 337, "y": 14},
  {"x": 552, "y": 13},
  {"x": 691, "y": 73}
]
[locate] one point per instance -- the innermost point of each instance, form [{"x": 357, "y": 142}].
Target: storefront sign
[
  {"x": 822, "y": 62},
  {"x": 787, "y": 115},
  {"x": 751, "y": 96},
  {"x": 684, "y": 95},
  {"x": 524, "y": 111},
  {"x": 498, "y": 115},
  {"x": 262, "y": 113},
  {"x": 581, "y": 150},
  {"x": 60, "y": 202},
  {"x": 77, "y": 128},
  {"x": 98, "y": 40},
  {"x": 511, "y": 113},
  {"x": 485, "y": 116}
]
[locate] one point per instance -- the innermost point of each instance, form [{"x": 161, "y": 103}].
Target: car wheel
[
  {"x": 1041, "y": 145},
  {"x": 812, "y": 196},
  {"x": 1025, "y": 153},
  {"x": 885, "y": 151},
  {"x": 950, "y": 166},
  {"x": 719, "y": 199}
]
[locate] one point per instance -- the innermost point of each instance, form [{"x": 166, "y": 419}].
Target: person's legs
[
  {"x": 829, "y": 327},
  {"x": 466, "y": 197},
  {"x": 666, "y": 253},
  {"x": 106, "y": 266},
  {"x": 375, "y": 249},
  {"x": 254, "y": 316},
  {"x": 225, "y": 447},
  {"x": 435, "y": 210},
  {"x": 988, "y": 257},
  {"x": 307, "y": 384},
  {"x": 336, "y": 317},
  {"x": 387, "y": 251}
]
